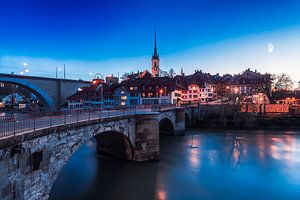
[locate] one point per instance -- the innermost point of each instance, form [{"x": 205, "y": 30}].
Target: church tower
[{"x": 155, "y": 60}]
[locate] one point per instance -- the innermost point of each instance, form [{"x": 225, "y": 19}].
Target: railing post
[
  {"x": 50, "y": 121},
  {"x": 33, "y": 122},
  {"x": 77, "y": 115},
  {"x": 89, "y": 114},
  {"x": 15, "y": 121}
]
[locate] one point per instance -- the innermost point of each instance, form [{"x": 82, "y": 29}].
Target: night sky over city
[{"x": 94, "y": 36}]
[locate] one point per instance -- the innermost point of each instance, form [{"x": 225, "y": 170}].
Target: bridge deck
[{"x": 15, "y": 125}]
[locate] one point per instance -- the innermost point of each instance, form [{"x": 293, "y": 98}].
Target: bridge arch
[
  {"x": 166, "y": 126},
  {"x": 115, "y": 144},
  {"x": 112, "y": 140},
  {"x": 46, "y": 99}
]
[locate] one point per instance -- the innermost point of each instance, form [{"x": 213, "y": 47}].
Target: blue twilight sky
[{"x": 110, "y": 36}]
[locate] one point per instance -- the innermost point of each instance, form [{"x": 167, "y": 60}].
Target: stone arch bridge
[
  {"x": 31, "y": 160},
  {"x": 51, "y": 91}
]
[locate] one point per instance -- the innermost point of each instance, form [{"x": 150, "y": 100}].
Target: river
[{"x": 201, "y": 165}]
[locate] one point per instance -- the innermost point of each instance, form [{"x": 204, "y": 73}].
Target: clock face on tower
[{"x": 155, "y": 68}]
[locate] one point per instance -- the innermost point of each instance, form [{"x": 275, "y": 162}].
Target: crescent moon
[{"x": 270, "y": 47}]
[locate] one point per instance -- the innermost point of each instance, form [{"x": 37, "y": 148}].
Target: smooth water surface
[{"x": 201, "y": 165}]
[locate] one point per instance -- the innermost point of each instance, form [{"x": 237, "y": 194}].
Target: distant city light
[{"x": 79, "y": 89}]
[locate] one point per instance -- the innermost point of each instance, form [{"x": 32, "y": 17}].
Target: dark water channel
[{"x": 221, "y": 165}]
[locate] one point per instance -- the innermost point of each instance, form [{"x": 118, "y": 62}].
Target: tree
[
  {"x": 282, "y": 82},
  {"x": 264, "y": 84},
  {"x": 163, "y": 73},
  {"x": 124, "y": 76},
  {"x": 172, "y": 73}
]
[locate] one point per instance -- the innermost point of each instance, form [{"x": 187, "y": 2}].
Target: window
[
  {"x": 132, "y": 94},
  {"x": 149, "y": 101},
  {"x": 123, "y": 97},
  {"x": 133, "y": 102},
  {"x": 164, "y": 101}
]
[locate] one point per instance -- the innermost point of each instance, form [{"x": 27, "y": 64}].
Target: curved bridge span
[{"x": 52, "y": 92}]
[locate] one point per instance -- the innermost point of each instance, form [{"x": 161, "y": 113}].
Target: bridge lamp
[
  {"x": 79, "y": 89},
  {"x": 25, "y": 64},
  {"x": 161, "y": 91},
  {"x": 22, "y": 73},
  {"x": 94, "y": 82},
  {"x": 26, "y": 70}
]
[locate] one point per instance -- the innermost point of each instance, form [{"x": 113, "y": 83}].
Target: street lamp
[
  {"x": 101, "y": 93},
  {"x": 58, "y": 69},
  {"x": 161, "y": 91}
]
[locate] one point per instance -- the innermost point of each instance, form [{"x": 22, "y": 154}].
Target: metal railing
[{"x": 27, "y": 122}]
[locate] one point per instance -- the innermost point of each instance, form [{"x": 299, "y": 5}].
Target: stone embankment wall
[{"x": 229, "y": 117}]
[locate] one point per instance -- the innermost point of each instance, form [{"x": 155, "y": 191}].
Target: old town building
[{"x": 145, "y": 88}]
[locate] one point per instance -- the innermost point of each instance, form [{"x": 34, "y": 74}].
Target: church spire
[
  {"x": 155, "y": 59},
  {"x": 155, "y": 54}
]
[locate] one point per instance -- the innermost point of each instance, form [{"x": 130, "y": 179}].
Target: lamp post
[
  {"x": 101, "y": 93},
  {"x": 12, "y": 96},
  {"x": 56, "y": 72}
]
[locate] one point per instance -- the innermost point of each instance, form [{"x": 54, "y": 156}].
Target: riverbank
[{"x": 249, "y": 121}]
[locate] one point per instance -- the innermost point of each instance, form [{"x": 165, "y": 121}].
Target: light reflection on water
[{"x": 241, "y": 165}]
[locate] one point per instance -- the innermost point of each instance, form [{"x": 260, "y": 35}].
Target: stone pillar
[
  {"x": 147, "y": 137},
  {"x": 180, "y": 121}
]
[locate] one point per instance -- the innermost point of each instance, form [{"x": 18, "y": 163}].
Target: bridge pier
[
  {"x": 142, "y": 145},
  {"x": 147, "y": 137},
  {"x": 180, "y": 121}
]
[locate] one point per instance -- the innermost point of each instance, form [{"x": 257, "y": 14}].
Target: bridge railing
[{"x": 28, "y": 122}]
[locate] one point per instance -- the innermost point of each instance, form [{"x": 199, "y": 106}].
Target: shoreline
[{"x": 246, "y": 131}]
